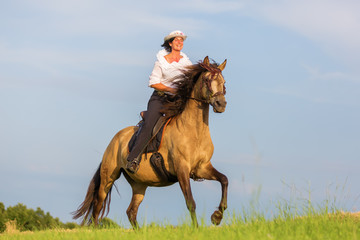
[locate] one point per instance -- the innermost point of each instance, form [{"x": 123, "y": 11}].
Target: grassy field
[{"x": 337, "y": 226}]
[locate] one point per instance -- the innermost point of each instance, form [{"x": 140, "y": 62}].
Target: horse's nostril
[{"x": 220, "y": 103}]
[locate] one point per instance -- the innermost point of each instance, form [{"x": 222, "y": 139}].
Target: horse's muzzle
[{"x": 218, "y": 103}]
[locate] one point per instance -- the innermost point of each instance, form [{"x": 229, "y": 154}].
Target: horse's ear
[
  {"x": 206, "y": 61},
  {"x": 222, "y": 66}
]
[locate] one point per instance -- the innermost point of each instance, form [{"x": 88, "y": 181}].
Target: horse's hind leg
[
  {"x": 98, "y": 204},
  {"x": 101, "y": 203},
  {"x": 108, "y": 174},
  {"x": 210, "y": 173}
]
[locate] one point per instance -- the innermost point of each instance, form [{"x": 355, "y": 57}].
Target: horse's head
[
  {"x": 202, "y": 82},
  {"x": 213, "y": 85}
]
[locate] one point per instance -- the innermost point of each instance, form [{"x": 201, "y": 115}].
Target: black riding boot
[
  {"x": 133, "y": 165},
  {"x": 155, "y": 104}
]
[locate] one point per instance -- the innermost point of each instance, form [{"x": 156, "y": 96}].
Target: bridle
[{"x": 214, "y": 71}]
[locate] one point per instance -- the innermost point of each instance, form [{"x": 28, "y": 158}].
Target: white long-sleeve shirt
[{"x": 164, "y": 72}]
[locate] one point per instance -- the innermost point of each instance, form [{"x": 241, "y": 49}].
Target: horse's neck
[
  {"x": 196, "y": 113},
  {"x": 195, "y": 116}
]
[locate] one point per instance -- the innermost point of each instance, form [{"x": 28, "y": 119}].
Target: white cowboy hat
[{"x": 176, "y": 33}]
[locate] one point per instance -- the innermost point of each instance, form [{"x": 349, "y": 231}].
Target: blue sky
[{"x": 73, "y": 73}]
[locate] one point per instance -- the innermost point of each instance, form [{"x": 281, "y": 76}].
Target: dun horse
[{"x": 186, "y": 149}]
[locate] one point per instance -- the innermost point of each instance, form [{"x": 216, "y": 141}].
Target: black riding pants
[{"x": 152, "y": 115}]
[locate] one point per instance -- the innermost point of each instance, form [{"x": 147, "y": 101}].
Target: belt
[{"x": 160, "y": 93}]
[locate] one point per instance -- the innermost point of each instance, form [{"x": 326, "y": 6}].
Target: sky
[{"x": 74, "y": 73}]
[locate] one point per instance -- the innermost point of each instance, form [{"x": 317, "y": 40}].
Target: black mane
[{"x": 185, "y": 83}]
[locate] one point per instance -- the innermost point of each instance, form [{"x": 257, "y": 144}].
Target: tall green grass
[
  {"x": 294, "y": 218},
  {"x": 286, "y": 225}
]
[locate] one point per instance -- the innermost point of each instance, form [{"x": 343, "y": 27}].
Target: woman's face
[{"x": 177, "y": 44}]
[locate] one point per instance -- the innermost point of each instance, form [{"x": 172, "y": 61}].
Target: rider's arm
[
  {"x": 161, "y": 87},
  {"x": 155, "y": 80}
]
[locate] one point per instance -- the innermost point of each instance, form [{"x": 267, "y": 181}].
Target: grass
[
  {"x": 314, "y": 225},
  {"x": 291, "y": 219}
]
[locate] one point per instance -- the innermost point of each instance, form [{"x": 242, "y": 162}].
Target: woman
[{"x": 170, "y": 63}]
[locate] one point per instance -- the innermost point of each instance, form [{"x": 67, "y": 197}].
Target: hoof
[{"x": 216, "y": 217}]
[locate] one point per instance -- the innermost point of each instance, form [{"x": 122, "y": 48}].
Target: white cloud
[
  {"x": 210, "y": 7},
  {"x": 297, "y": 93},
  {"x": 53, "y": 67},
  {"x": 121, "y": 19},
  {"x": 51, "y": 38},
  {"x": 316, "y": 74},
  {"x": 329, "y": 87},
  {"x": 333, "y": 24},
  {"x": 38, "y": 57}
]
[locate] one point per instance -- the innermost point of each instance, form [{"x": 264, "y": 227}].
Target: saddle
[
  {"x": 154, "y": 144},
  {"x": 156, "y": 159}
]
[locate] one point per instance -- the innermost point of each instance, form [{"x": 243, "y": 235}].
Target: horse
[{"x": 186, "y": 148}]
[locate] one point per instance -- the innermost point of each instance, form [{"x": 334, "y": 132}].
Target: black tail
[{"x": 91, "y": 200}]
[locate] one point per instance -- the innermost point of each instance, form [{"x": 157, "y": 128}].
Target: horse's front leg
[
  {"x": 184, "y": 181},
  {"x": 210, "y": 173}
]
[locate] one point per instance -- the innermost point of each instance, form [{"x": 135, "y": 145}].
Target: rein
[{"x": 199, "y": 100}]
